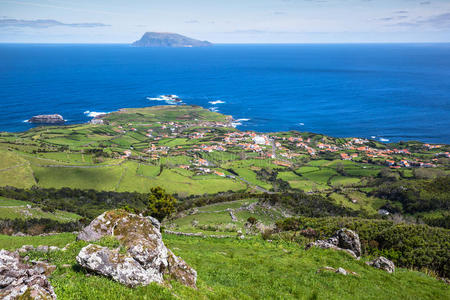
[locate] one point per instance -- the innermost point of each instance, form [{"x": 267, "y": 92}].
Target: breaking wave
[
  {"x": 216, "y": 102},
  {"x": 94, "y": 114}
]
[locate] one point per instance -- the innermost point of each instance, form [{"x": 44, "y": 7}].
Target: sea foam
[
  {"x": 216, "y": 102},
  {"x": 166, "y": 99},
  {"x": 94, "y": 114}
]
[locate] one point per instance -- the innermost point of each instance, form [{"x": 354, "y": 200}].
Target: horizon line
[{"x": 295, "y": 43}]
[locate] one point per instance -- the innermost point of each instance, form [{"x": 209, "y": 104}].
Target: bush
[
  {"x": 160, "y": 204},
  {"x": 408, "y": 245}
]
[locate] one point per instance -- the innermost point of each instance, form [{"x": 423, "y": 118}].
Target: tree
[{"x": 160, "y": 204}]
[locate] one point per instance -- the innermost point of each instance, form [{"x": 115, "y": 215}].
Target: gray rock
[
  {"x": 348, "y": 239},
  {"x": 341, "y": 271},
  {"x": 47, "y": 119},
  {"x": 155, "y": 222},
  {"x": 42, "y": 248},
  {"x": 53, "y": 248},
  {"x": 146, "y": 255},
  {"x": 120, "y": 267},
  {"x": 25, "y": 248},
  {"x": 17, "y": 278},
  {"x": 233, "y": 217},
  {"x": 343, "y": 240},
  {"x": 382, "y": 263},
  {"x": 179, "y": 270}
]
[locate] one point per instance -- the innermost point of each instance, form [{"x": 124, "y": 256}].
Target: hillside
[
  {"x": 239, "y": 269},
  {"x": 188, "y": 150},
  {"x": 235, "y": 205},
  {"x": 165, "y": 39}
]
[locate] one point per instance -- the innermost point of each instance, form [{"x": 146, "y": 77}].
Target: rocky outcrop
[
  {"x": 382, "y": 263},
  {"x": 145, "y": 259},
  {"x": 19, "y": 280},
  {"x": 343, "y": 240},
  {"x": 47, "y": 119}
]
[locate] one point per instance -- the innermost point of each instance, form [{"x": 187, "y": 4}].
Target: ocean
[{"x": 389, "y": 92}]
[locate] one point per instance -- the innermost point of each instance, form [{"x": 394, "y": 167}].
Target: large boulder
[
  {"x": 382, "y": 263},
  {"x": 120, "y": 267},
  {"x": 19, "y": 280},
  {"x": 343, "y": 240},
  {"x": 146, "y": 258}
]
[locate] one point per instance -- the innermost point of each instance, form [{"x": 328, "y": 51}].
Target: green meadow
[{"x": 240, "y": 269}]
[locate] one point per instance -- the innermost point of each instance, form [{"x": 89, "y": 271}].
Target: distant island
[{"x": 164, "y": 39}]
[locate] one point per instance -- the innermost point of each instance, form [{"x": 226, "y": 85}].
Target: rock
[
  {"x": 19, "y": 234},
  {"x": 43, "y": 267},
  {"x": 42, "y": 248},
  {"x": 348, "y": 239},
  {"x": 341, "y": 271},
  {"x": 382, "y": 263},
  {"x": 155, "y": 222},
  {"x": 343, "y": 240},
  {"x": 21, "y": 280},
  {"x": 53, "y": 248},
  {"x": 25, "y": 248},
  {"x": 233, "y": 217},
  {"x": 47, "y": 119},
  {"x": 146, "y": 259},
  {"x": 120, "y": 267},
  {"x": 179, "y": 270}
]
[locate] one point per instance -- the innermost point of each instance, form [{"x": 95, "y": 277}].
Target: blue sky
[{"x": 230, "y": 21}]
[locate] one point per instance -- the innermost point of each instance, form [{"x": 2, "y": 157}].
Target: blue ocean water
[{"x": 390, "y": 91}]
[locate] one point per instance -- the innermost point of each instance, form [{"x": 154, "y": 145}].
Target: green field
[
  {"x": 240, "y": 269},
  {"x": 15, "y": 209}
]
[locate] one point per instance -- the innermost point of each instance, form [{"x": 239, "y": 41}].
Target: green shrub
[{"x": 408, "y": 245}]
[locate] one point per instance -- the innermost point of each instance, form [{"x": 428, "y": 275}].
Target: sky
[{"x": 230, "y": 21}]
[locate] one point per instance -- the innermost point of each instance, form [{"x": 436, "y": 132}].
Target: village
[{"x": 284, "y": 149}]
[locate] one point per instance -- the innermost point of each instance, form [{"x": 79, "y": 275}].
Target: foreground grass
[
  {"x": 245, "y": 269},
  {"x": 14, "y": 242}
]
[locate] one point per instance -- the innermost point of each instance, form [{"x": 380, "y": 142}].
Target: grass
[
  {"x": 101, "y": 178},
  {"x": 321, "y": 176},
  {"x": 214, "y": 219},
  {"x": 15, "y": 171},
  {"x": 240, "y": 269},
  {"x": 16, "y": 209},
  {"x": 12, "y": 202},
  {"x": 14, "y": 242},
  {"x": 250, "y": 176}
]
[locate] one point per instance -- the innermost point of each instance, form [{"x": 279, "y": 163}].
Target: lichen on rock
[
  {"x": 19, "y": 280},
  {"x": 146, "y": 253},
  {"x": 343, "y": 240},
  {"x": 382, "y": 263}
]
